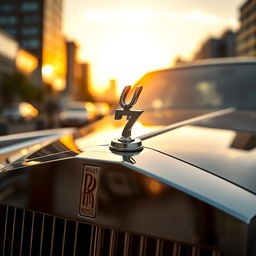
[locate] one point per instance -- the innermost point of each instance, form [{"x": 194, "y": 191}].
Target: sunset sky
[{"x": 124, "y": 39}]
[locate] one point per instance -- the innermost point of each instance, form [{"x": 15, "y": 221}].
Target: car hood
[
  {"x": 223, "y": 145},
  {"x": 61, "y": 142}
]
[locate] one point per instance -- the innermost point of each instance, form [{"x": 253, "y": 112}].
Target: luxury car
[
  {"x": 78, "y": 114},
  {"x": 189, "y": 189}
]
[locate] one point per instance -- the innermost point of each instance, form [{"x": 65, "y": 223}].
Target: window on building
[
  {"x": 33, "y": 18},
  {"x": 7, "y": 7},
  {"x": 30, "y": 43},
  {"x": 11, "y": 31},
  {"x": 32, "y": 31},
  {"x": 8, "y": 20},
  {"x": 29, "y": 6}
]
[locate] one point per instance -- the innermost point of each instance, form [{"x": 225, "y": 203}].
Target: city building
[
  {"x": 77, "y": 76},
  {"x": 225, "y": 46},
  {"x": 36, "y": 25},
  {"x": 246, "y": 38},
  {"x": 8, "y": 51},
  {"x": 12, "y": 59}
]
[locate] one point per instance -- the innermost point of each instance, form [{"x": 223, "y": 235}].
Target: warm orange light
[
  {"x": 54, "y": 59},
  {"x": 32, "y": 162},
  {"x": 50, "y": 76},
  {"x": 24, "y": 151},
  {"x": 47, "y": 71},
  {"x": 27, "y": 110},
  {"x": 126, "y": 57},
  {"x": 58, "y": 84},
  {"x": 25, "y": 61},
  {"x": 155, "y": 187},
  {"x": 68, "y": 141},
  {"x": 90, "y": 109},
  {"x": 103, "y": 108}
]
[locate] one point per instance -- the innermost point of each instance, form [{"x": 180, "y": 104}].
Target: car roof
[{"x": 209, "y": 62}]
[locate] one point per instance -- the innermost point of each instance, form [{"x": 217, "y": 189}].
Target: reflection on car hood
[{"x": 224, "y": 146}]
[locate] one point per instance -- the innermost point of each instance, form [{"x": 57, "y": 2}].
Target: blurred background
[{"x": 64, "y": 62}]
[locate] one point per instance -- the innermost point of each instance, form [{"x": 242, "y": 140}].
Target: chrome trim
[
  {"x": 42, "y": 235},
  {"x": 32, "y": 233},
  {"x": 75, "y": 240},
  {"x": 112, "y": 243},
  {"x": 5, "y": 228},
  {"x": 13, "y": 230},
  {"x": 117, "y": 243},
  {"x": 52, "y": 238},
  {"x": 64, "y": 238},
  {"x": 188, "y": 122},
  {"x": 142, "y": 246},
  {"x": 126, "y": 244}
]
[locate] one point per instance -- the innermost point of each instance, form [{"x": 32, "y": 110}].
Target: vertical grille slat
[
  {"x": 37, "y": 230},
  {"x": 17, "y": 232},
  {"x": 159, "y": 247},
  {"x": 24, "y": 232},
  {"x": 112, "y": 244},
  {"x": 13, "y": 231},
  {"x": 27, "y": 229},
  {"x": 175, "y": 249},
  {"x": 47, "y": 235},
  {"x": 5, "y": 229},
  {"x": 95, "y": 238},
  {"x": 31, "y": 236},
  {"x": 142, "y": 246},
  {"x": 9, "y": 231},
  {"x": 194, "y": 251},
  {"x": 52, "y": 237},
  {"x": 2, "y": 224},
  {"x": 126, "y": 244},
  {"x": 41, "y": 236},
  {"x": 64, "y": 237},
  {"x": 75, "y": 240}
]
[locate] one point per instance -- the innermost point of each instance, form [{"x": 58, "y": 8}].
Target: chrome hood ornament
[{"x": 126, "y": 143}]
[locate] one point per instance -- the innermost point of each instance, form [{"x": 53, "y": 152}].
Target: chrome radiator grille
[{"x": 24, "y": 232}]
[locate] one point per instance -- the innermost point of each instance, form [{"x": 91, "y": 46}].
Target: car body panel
[
  {"x": 138, "y": 197},
  {"x": 225, "y": 152},
  {"x": 193, "y": 183}
]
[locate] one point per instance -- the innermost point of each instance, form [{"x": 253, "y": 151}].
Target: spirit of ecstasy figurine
[{"x": 126, "y": 143}]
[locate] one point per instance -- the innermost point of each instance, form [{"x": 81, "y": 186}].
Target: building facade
[
  {"x": 246, "y": 38},
  {"x": 8, "y": 51},
  {"x": 225, "y": 46},
  {"x": 12, "y": 59},
  {"x": 36, "y": 25},
  {"x": 77, "y": 76}
]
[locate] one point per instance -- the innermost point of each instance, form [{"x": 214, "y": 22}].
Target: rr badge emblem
[{"x": 88, "y": 203}]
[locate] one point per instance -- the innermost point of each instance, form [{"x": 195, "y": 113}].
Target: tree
[{"x": 18, "y": 86}]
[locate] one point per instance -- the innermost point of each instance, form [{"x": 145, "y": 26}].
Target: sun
[{"x": 126, "y": 56}]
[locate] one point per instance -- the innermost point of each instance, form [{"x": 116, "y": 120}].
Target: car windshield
[{"x": 212, "y": 86}]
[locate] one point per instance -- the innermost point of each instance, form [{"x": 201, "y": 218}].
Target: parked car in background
[
  {"x": 77, "y": 114},
  {"x": 22, "y": 111},
  {"x": 190, "y": 192}
]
